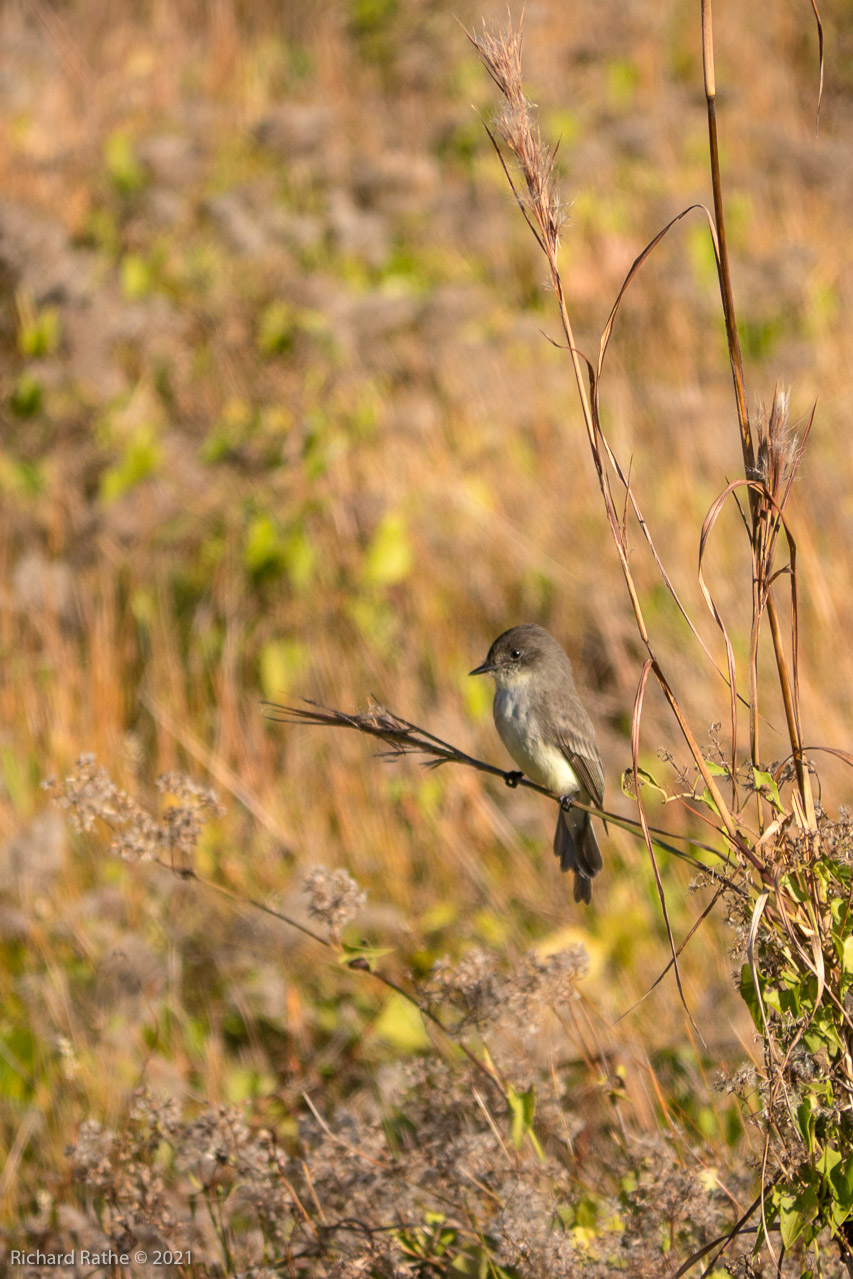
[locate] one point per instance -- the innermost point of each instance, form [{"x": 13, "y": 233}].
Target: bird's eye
[{"x": 515, "y": 654}]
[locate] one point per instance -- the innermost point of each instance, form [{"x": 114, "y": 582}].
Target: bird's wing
[{"x": 584, "y": 758}]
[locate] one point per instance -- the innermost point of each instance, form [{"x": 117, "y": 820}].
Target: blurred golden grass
[{"x": 400, "y": 474}]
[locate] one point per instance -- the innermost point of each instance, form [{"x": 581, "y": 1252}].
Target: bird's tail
[{"x": 577, "y": 848}]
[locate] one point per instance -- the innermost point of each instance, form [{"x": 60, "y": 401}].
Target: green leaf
[
  {"x": 840, "y": 910},
  {"x": 278, "y": 327},
  {"x": 717, "y": 770},
  {"x": 841, "y": 1179},
  {"x": 401, "y": 1025},
  {"x": 27, "y": 478},
  {"x": 26, "y": 396},
  {"x": 370, "y": 955},
  {"x": 263, "y": 546},
  {"x": 622, "y": 80},
  {"x": 828, "y": 1160},
  {"x": 299, "y": 559},
  {"x": 806, "y": 1120},
  {"x": 837, "y": 1216},
  {"x": 586, "y": 1212},
  {"x": 847, "y": 956},
  {"x": 646, "y": 780},
  {"x": 19, "y": 1055},
  {"x": 522, "y": 1107},
  {"x": 749, "y": 995},
  {"x": 39, "y": 332},
  {"x": 389, "y": 557},
  {"x": 823, "y": 1031},
  {"x": 142, "y": 458},
  {"x": 236, "y": 425},
  {"x": 126, "y": 172},
  {"x": 791, "y": 1223},
  {"x": 799, "y": 891},
  {"x": 795, "y": 1213},
  {"x": 137, "y": 278},
  {"x": 280, "y": 663},
  {"x": 465, "y": 1264},
  {"x": 793, "y": 1000},
  {"x": 764, "y": 782},
  {"x": 707, "y": 799}
]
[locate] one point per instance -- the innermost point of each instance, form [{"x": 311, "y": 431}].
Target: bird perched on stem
[{"x": 546, "y": 730}]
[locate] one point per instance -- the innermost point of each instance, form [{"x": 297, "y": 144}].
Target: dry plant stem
[
  {"x": 747, "y": 448},
  {"x": 405, "y": 738},
  {"x": 753, "y": 687},
  {"x": 707, "y": 527},
  {"x": 635, "y": 754},
  {"x": 790, "y": 711},
  {"x": 724, "y": 276},
  {"x": 765, "y": 538}
]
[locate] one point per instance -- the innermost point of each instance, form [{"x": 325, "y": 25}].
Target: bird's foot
[
  {"x": 512, "y": 779},
  {"x": 566, "y": 802}
]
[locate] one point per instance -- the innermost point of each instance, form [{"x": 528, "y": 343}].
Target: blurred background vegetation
[{"x": 279, "y": 420}]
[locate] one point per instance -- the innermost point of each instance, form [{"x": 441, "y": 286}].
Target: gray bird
[{"x": 550, "y": 736}]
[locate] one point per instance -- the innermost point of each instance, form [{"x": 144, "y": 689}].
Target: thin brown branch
[
  {"x": 407, "y": 738},
  {"x": 400, "y": 735}
]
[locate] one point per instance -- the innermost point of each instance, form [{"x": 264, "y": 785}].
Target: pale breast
[{"x": 544, "y": 764}]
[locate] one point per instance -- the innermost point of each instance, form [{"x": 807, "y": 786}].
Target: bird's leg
[
  {"x": 566, "y": 802},
  {"x": 512, "y": 779}
]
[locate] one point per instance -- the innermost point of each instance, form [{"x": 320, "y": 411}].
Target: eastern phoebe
[{"x": 550, "y": 736}]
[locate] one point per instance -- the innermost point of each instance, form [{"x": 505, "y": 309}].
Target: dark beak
[{"x": 485, "y": 668}]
